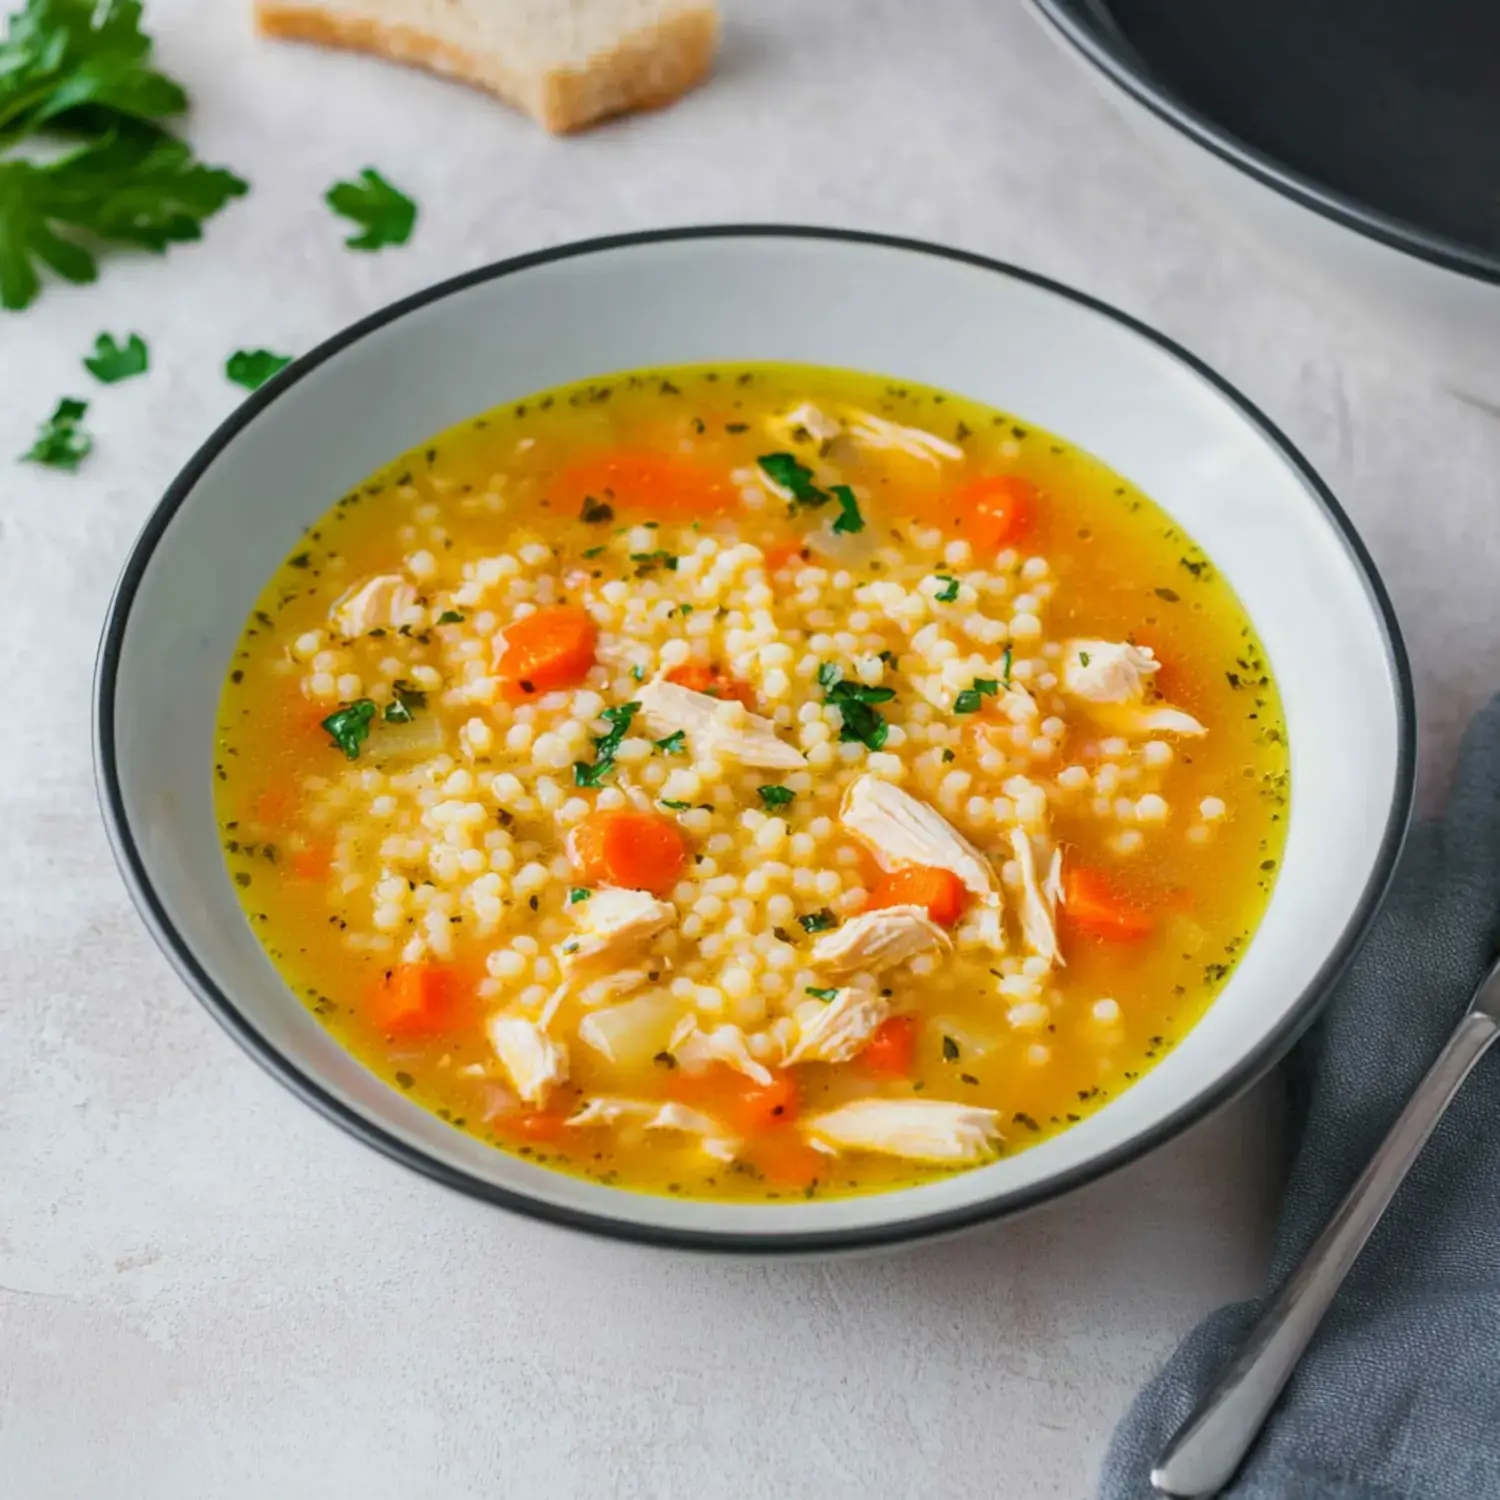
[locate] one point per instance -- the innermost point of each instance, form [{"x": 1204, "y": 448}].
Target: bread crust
[{"x": 646, "y": 69}]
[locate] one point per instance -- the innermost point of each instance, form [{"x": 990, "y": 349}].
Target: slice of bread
[{"x": 567, "y": 63}]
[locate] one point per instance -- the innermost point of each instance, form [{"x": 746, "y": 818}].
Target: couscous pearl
[
  {"x": 1212, "y": 808},
  {"x": 1106, "y": 1011}
]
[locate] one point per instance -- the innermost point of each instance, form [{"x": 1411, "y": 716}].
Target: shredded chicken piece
[
  {"x": 717, "y": 727},
  {"x": 1107, "y": 671},
  {"x": 1113, "y": 677},
  {"x": 612, "y": 986},
  {"x": 813, "y": 420},
  {"x": 713, "y": 1137},
  {"x": 1038, "y": 903},
  {"x": 919, "y": 1129},
  {"x": 608, "y": 1109},
  {"x": 840, "y": 1030},
  {"x": 536, "y": 1064},
  {"x": 879, "y": 939},
  {"x": 380, "y": 603},
  {"x": 696, "y": 1049},
  {"x": 877, "y": 432},
  {"x": 903, "y": 831},
  {"x": 630, "y": 1034},
  {"x": 615, "y": 922}
]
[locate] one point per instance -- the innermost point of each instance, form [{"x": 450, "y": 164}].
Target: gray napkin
[{"x": 1399, "y": 1396}]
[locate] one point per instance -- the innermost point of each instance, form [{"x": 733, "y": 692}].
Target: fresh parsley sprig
[
  {"x": 79, "y": 72},
  {"x": 61, "y": 442},
  {"x": 111, "y": 362},
  {"x": 605, "y": 745},
  {"x": 861, "y": 724},
  {"x": 385, "y": 214}
]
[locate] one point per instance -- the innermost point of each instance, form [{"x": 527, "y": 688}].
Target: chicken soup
[{"x": 752, "y": 782}]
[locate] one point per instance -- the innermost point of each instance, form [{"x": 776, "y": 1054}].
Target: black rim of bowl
[
  {"x": 1101, "y": 45},
  {"x": 224, "y": 1009}
]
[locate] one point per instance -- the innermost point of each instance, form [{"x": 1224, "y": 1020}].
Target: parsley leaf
[
  {"x": 783, "y": 470},
  {"x": 349, "y": 726},
  {"x": 1005, "y": 667},
  {"x": 776, "y": 796},
  {"x": 577, "y": 894},
  {"x": 950, "y": 1049},
  {"x": 861, "y": 723},
  {"x": 61, "y": 442},
  {"x": 252, "y": 368},
  {"x": 593, "y": 512},
  {"x": 673, "y": 744},
  {"x": 648, "y": 562},
  {"x": 618, "y": 718},
  {"x": 948, "y": 756},
  {"x": 111, "y": 362},
  {"x": 80, "y": 71},
  {"x": 450, "y": 617},
  {"x": 971, "y": 700},
  {"x": 949, "y": 591},
  {"x": 405, "y": 698},
  {"x": 848, "y": 519},
  {"x": 676, "y": 806},
  {"x": 384, "y": 213},
  {"x": 1083, "y": 658},
  {"x": 818, "y": 994},
  {"x": 817, "y": 921}
]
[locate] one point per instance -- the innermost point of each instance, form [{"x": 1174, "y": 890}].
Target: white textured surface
[{"x": 207, "y": 1292}]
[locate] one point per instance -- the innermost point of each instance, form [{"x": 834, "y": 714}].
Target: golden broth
[{"x": 334, "y": 857}]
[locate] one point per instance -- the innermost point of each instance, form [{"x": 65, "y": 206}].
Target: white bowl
[
  {"x": 1435, "y": 300},
  {"x": 912, "y": 311}
]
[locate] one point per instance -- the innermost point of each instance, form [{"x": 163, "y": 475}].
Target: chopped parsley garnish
[
  {"x": 384, "y": 213},
  {"x": 61, "y": 442},
  {"x": 818, "y": 921},
  {"x": 783, "y": 470},
  {"x": 648, "y": 562},
  {"x": 618, "y": 718},
  {"x": 673, "y": 744},
  {"x": 950, "y": 1049},
  {"x": 594, "y": 513},
  {"x": 971, "y": 700},
  {"x": 83, "y": 149},
  {"x": 949, "y": 591},
  {"x": 848, "y": 519},
  {"x": 111, "y": 361},
  {"x": 1083, "y": 658},
  {"x": 861, "y": 723},
  {"x": 252, "y": 368},
  {"x": 450, "y": 617},
  {"x": 676, "y": 806},
  {"x": 1005, "y": 667},
  {"x": 405, "y": 698},
  {"x": 592, "y": 552},
  {"x": 349, "y": 726},
  {"x": 818, "y": 994},
  {"x": 947, "y": 756},
  {"x": 638, "y": 672},
  {"x": 577, "y": 894},
  {"x": 776, "y": 796}
]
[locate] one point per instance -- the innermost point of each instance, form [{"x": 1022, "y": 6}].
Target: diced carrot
[
  {"x": 940, "y": 891},
  {"x": 701, "y": 677},
  {"x": 551, "y": 648},
  {"x": 993, "y": 512},
  {"x": 747, "y": 1107},
  {"x": 892, "y": 1049},
  {"x": 638, "y": 850},
  {"x": 1090, "y": 904},
  {"x": 415, "y": 1000},
  {"x": 783, "y": 1158},
  {"x": 314, "y": 862},
  {"x": 657, "y": 485}
]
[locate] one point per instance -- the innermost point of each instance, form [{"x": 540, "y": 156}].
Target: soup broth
[{"x": 752, "y": 782}]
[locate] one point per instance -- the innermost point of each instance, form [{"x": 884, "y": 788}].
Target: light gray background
[{"x": 205, "y": 1291}]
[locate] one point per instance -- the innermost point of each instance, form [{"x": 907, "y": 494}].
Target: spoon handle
[{"x": 1203, "y": 1456}]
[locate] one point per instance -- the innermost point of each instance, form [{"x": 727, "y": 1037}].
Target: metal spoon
[{"x": 1202, "y": 1458}]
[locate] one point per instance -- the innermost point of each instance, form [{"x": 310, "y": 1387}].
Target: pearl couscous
[{"x": 751, "y": 782}]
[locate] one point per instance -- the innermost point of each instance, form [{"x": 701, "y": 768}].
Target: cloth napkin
[{"x": 1398, "y": 1398}]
